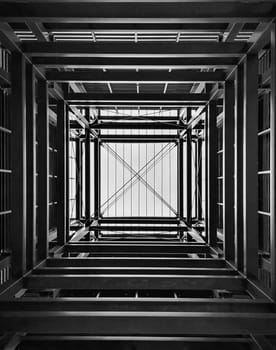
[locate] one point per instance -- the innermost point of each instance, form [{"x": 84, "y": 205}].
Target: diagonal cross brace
[
  {"x": 135, "y": 176},
  {"x": 140, "y": 178}
]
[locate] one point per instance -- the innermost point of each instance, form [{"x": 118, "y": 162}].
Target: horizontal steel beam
[
  {"x": 146, "y": 323},
  {"x": 180, "y": 26},
  {"x": 134, "y": 261},
  {"x": 137, "y": 228},
  {"x": 116, "y": 97},
  {"x": 136, "y": 282},
  {"x": 134, "y": 271},
  {"x": 111, "y": 138},
  {"x": 139, "y": 138},
  {"x": 135, "y": 103},
  {"x": 138, "y": 247},
  {"x": 139, "y": 125},
  {"x": 128, "y": 49},
  {"x": 140, "y": 12},
  {"x": 174, "y": 63},
  {"x": 97, "y": 76},
  {"x": 118, "y": 117},
  {"x": 140, "y": 220},
  {"x": 136, "y": 304},
  {"x": 139, "y": 343}
]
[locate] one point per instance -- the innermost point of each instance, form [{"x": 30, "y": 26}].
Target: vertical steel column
[
  {"x": 239, "y": 168},
  {"x": 87, "y": 172},
  {"x": 67, "y": 207},
  {"x": 199, "y": 179},
  {"x": 97, "y": 164},
  {"x": 61, "y": 169},
  {"x": 212, "y": 172},
  {"x": 189, "y": 170},
  {"x": 31, "y": 166},
  {"x": 79, "y": 179},
  {"x": 195, "y": 165},
  {"x": 18, "y": 163},
  {"x": 273, "y": 164},
  {"x": 250, "y": 179},
  {"x": 228, "y": 170},
  {"x": 180, "y": 179},
  {"x": 180, "y": 184},
  {"x": 206, "y": 221},
  {"x": 43, "y": 168}
]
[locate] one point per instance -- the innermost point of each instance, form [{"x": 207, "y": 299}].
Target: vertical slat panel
[
  {"x": 228, "y": 170},
  {"x": 43, "y": 168},
  {"x": 18, "y": 161},
  {"x": 250, "y": 179}
]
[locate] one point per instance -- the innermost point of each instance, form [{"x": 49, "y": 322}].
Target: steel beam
[
  {"x": 87, "y": 173},
  {"x": 180, "y": 26},
  {"x": 138, "y": 228},
  {"x": 261, "y": 343},
  {"x": 141, "y": 49},
  {"x": 182, "y": 271},
  {"x": 233, "y": 31},
  {"x": 31, "y": 165},
  {"x": 140, "y": 12},
  {"x": 11, "y": 341},
  {"x": 74, "y": 98},
  {"x": 135, "y": 62},
  {"x": 136, "y": 282},
  {"x": 180, "y": 179},
  {"x": 146, "y": 323},
  {"x": 37, "y": 31},
  {"x": 111, "y": 104},
  {"x": 188, "y": 194},
  {"x": 61, "y": 180},
  {"x": 97, "y": 179},
  {"x": 67, "y": 141},
  {"x": 79, "y": 170},
  {"x": 17, "y": 234},
  {"x": 4, "y": 78},
  {"x": 118, "y": 117},
  {"x": 138, "y": 247},
  {"x": 212, "y": 172},
  {"x": 138, "y": 343},
  {"x": 43, "y": 169},
  {"x": 97, "y": 76},
  {"x": 228, "y": 170},
  {"x": 136, "y": 262},
  {"x": 144, "y": 124},
  {"x": 206, "y": 161},
  {"x": 273, "y": 163},
  {"x": 238, "y": 178},
  {"x": 139, "y": 138},
  {"x": 139, "y": 220},
  {"x": 199, "y": 179},
  {"x": 250, "y": 162}
]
